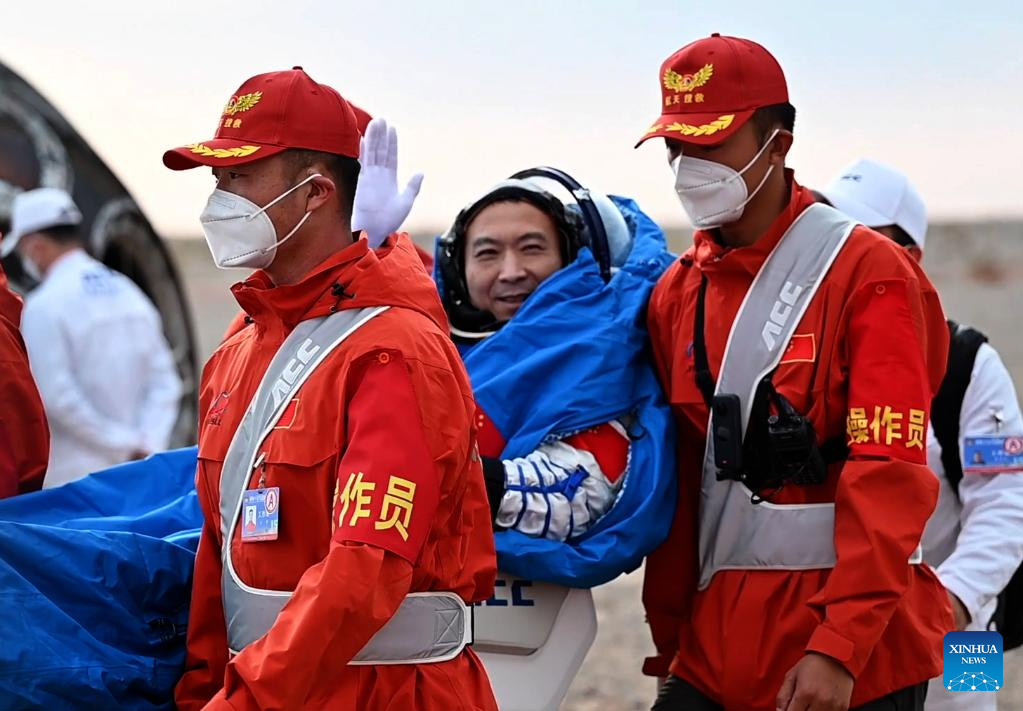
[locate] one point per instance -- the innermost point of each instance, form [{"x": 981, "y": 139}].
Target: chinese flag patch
[
  {"x": 802, "y": 349},
  {"x": 288, "y": 416}
]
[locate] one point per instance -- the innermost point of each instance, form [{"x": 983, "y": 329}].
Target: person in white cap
[
  {"x": 881, "y": 198},
  {"x": 974, "y": 539},
  {"x": 95, "y": 345}
]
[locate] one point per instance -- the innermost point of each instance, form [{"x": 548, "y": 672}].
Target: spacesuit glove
[{"x": 556, "y": 492}]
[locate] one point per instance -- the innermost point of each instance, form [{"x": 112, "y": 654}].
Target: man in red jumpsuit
[
  {"x": 24, "y": 435},
  {"x": 368, "y": 488},
  {"x": 862, "y": 366}
]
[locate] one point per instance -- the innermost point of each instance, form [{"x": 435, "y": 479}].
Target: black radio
[
  {"x": 726, "y": 432},
  {"x": 780, "y": 447},
  {"x": 792, "y": 447}
]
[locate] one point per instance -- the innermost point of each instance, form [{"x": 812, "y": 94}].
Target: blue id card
[
  {"x": 992, "y": 455},
  {"x": 261, "y": 511}
]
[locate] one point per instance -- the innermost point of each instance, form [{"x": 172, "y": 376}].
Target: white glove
[
  {"x": 379, "y": 207},
  {"x": 557, "y": 492}
]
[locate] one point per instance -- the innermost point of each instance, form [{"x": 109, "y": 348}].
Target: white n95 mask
[
  {"x": 239, "y": 232},
  {"x": 713, "y": 194},
  {"x": 31, "y": 269}
]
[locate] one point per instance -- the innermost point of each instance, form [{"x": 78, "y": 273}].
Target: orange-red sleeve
[
  {"x": 659, "y": 327},
  {"x": 388, "y": 484},
  {"x": 669, "y": 576},
  {"x": 388, "y": 479},
  {"x": 896, "y": 345},
  {"x": 24, "y": 434}
]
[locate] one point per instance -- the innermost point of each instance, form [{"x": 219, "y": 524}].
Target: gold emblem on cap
[
  {"x": 687, "y": 82},
  {"x": 238, "y": 104},
  {"x": 707, "y": 129},
  {"x": 236, "y": 152}
]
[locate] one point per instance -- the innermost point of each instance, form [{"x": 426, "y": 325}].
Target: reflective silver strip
[
  {"x": 311, "y": 341},
  {"x": 428, "y": 627},
  {"x": 734, "y": 533}
]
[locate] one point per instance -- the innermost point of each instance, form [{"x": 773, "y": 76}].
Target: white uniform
[
  {"x": 103, "y": 368},
  {"x": 975, "y": 540}
]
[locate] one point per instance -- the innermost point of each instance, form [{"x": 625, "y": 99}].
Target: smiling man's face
[{"x": 510, "y": 248}]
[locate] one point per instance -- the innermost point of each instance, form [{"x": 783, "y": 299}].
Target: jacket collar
[{"x": 314, "y": 295}]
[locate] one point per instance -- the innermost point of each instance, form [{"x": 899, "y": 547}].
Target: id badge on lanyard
[{"x": 261, "y": 512}]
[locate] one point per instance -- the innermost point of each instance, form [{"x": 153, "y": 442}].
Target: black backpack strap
[
  {"x": 704, "y": 379},
  {"x": 963, "y": 345}
]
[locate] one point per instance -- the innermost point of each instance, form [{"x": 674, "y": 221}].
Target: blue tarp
[
  {"x": 576, "y": 355},
  {"x": 95, "y": 580}
]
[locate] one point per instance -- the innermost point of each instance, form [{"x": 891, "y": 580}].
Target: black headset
[{"x": 575, "y": 230}]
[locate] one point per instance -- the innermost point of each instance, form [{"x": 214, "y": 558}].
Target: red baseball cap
[
  {"x": 362, "y": 118},
  {"x": 271, "y": 113},
  {"x": 711, "y": 87}
]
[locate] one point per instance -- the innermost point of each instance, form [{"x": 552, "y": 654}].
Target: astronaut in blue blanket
[{"x": 545, "y": 285}]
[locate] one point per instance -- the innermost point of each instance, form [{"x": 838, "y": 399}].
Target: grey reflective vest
[
  {"x": 428, "y": 627},
  {"x": 735, "y": 533}
]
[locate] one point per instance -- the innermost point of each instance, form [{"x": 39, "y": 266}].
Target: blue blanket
[
  {"x": 95, "y": 580},
  {"x": 576, "y": 355}
]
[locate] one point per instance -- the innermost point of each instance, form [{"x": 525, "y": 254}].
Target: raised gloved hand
[{"x": 379, "y": 208}]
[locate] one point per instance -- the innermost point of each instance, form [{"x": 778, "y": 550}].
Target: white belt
[{"x": 428, "y": 627}]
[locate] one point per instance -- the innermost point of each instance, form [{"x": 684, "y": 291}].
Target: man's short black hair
[
  {"x": 767, "y": 118},
  {"x": 63, "y": 234},
  {"x": 344, "y": 171}
]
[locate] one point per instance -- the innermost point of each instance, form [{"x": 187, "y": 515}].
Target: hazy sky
[{"x": 481, "y": 89}]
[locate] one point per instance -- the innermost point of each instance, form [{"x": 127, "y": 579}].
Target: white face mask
[
  {"x": 713, "y": 194},
  {"x": 239, "y": 232},
  {"x": 29, "y": 266}
]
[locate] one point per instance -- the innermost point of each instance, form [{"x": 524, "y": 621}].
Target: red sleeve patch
[
  {"x": 490, "y": 440},
  {"x": 386, "y": 493},
  {"x": 608, "y": 445},
  {"x": 889, "y": 392}
]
